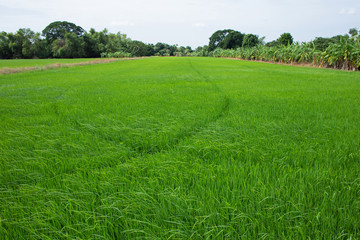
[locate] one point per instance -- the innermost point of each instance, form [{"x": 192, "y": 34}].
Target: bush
[{"x": 119, "y": 54}]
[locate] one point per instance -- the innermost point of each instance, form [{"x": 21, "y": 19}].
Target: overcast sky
[{"x": 187, "y": 22}]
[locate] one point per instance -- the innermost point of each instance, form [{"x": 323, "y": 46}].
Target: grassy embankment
[
  {"x": 21, "y": 65},
  {"x": 180, "y": 148}
]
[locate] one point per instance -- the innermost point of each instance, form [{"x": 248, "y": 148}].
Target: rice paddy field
[{"x": 180, "y": 148}]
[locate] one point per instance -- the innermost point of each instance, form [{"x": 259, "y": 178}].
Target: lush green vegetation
[
  {"x": 180, "y": 148},
  {"x": 67, "y": 40},
  {"x": 339, "y": 52},
  {"x": 343, "y": 55}
]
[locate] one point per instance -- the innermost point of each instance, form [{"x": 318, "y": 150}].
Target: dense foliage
[
  {"x": 340, "y": 52},
  {"x": 67, "y": 40},
  {"x": 225, "y": 39},
  {"x": 58, "y": 30},
  {"x": 344, "y": 54},
  {"x": 285, "y": 39}
]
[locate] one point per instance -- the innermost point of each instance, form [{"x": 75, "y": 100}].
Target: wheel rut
[
  {"x": 196, "y": 128},
  {"x": 143, "y": 151}
]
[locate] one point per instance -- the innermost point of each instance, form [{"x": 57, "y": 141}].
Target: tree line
[
  {"x": 63, "y": 39},
  {"x": 67, "y": 40}
]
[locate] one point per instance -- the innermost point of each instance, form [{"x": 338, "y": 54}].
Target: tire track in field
[
  {"x": 194, "y": 129},
  {"x": 225, "y": 108},
  {"x": 137, "y": 150},
  {"x": 199, "y": 126}
]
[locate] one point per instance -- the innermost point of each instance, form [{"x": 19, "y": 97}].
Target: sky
[{"x": 188, "y": 22}]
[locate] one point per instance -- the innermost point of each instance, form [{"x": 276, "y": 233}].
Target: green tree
[
  {"x": 217, "y": 38},
  {"x": 5, "y": 51},
  {"x": 15, "y": 45},
  {"x": 39, "y": 47},
  {"x": 96, "y": 42},
  {"x": 25, "y": 43},
  {"x": 322, "y": 44},
  {"x": 58, "y": 30},
  {"x": 353, "y": 32},
  {"x": 272, "y": 44},
  {"x": 116, "y": 42},
  {"x": 163, "y": 49},
  {"x": 233, "y": 39},
  {"x": 20, "y": 43},
  {"x": 27, "y": 37},
  {"x": 137, "y": 48},
  {"x": 285, "y": 39},
  {"x": 71, "y": 46},
  {"x": 150, "y": 49},
  {"x": 201, "y": 51},
  {"x": 251, "y": 40},
  {"x": 90, "y": 46},
  {"x": 188, "y": 50}
]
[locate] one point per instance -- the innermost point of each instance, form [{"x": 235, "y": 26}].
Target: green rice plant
[{"x": 180, "y": 148}]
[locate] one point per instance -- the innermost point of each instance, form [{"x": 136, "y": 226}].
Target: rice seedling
[{"x": 180, "y": 148}]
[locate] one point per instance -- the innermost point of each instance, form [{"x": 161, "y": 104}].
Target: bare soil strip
[{"x": 6, "y": 70}]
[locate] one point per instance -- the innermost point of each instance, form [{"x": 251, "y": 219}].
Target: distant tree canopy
[
  {"x": 353, "y": 32},
  {"x": 231, "y": 39},
  {"x": 63, "y": 39},
  {"x": 251, "y": 40},
  {"x": 321, "y": 43},
  {"x": 225, "y": 39},
  {"x": 5, "y": 51},
  {"x": 217, "y": 38},
  {"x": 58, "y": 30},
  {"x": 284, "y": 40},
  {"x": 70, "y": 46}
]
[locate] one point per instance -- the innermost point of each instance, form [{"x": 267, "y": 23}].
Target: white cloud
[
  {"x": 199, "y": 25},
  {"x": 347, "y": 11},
  {"x": 351, "y": 11}
]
